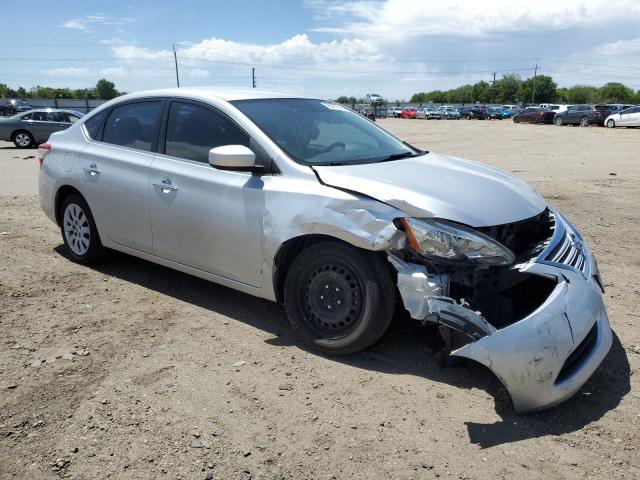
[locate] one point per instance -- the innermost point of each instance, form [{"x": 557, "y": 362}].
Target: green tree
[
  {"x": 582, "y": 94},
  {"x": 616, "y": 92},
  {"x": 506, "y": 89},
  {"x": 545, "y": 90},
  {"x": 106, "y": 90},
  {"x": 481, "y": 91}
]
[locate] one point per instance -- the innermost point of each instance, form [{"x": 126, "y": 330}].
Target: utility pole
[
  {"x": 533, "y": 90},
  {"x": 493, "y": 88},
  {"x": 175, "y": 58},
  {"x": 253, "y": 77}
]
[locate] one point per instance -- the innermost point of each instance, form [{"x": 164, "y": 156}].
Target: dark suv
[
  {"x": 583, "y": 115},
  {"x": 12, "y": 106},
  {"x": 478, "y": 111},
  {"x": 609, "y": 109}
]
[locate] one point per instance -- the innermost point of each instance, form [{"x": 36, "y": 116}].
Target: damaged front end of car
[{"x": 523, "y": 299}]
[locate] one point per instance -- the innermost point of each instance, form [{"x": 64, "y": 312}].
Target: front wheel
[
  {"x": 558, "y": 121},
  {"x": 339, "y": 299},
  {"x": 584, "y": 122},
  {"x": 611, "y": 123},
  {"x": 79, "y": 231}
]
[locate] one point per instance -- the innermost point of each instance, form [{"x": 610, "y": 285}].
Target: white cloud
[
  {"x": 86, "y": 22},
  {"x": 197, "y": 73},
  {"x": 67, "y": 71},
  {"x": 620, "y": 48},
  {"x": 402, "y": 18}
]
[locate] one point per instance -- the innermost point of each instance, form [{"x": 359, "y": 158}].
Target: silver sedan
[
  {"x": 29, "y": 128},
  {"x": 304, "y": 202}
]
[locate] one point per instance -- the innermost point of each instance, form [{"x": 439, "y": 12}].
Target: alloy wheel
[
  {"x": 23, "y": 139},
  {"x": 77, "y": 232}
]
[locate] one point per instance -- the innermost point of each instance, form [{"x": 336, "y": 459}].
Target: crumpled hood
[{"x": 435, "y": 185}]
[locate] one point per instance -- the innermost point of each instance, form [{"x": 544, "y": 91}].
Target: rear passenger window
[
  {"x": 193, "y": 130},
  {"x": 40, "y": 116},
  {"x": 132, "y": 125},
  {"x": 94, "y": 123}
]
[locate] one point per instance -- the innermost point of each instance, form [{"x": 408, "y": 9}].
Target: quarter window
[
  {"x": 132, "y": 125},
  {"x": 193, "y": 130}
]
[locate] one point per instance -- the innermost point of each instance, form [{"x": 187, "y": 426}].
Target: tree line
[
  {"x": 104, "y": 90},
  {"x": 512, "y": 89}
]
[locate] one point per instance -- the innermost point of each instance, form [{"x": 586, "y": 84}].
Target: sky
[{"x": 326, "y": 48}]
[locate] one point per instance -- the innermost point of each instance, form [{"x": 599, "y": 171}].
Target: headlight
[{"x": 450, "y": 242}]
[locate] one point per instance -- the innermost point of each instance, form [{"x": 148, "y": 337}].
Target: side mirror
[{"x": 232, "y": 157}]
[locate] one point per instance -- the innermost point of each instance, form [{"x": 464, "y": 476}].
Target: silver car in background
[
  {"x": 301, "y": 201},
  {"x": 30, "y": 128}
]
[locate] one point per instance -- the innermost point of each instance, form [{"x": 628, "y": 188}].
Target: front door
[{"x": 203, "y": 217}]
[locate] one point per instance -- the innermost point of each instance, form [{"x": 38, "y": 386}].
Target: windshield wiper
[{"x": 398, "y": 156}]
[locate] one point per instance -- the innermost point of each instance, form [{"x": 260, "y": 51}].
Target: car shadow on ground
[{"x": 406, "y": 349}]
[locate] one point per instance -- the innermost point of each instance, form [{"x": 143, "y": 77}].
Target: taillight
[{"x": 43, "y": 150}]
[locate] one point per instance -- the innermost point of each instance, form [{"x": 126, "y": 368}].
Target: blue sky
[{"x": 323, "y": 47}]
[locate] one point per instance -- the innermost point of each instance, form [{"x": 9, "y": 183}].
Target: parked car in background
[
  {"x": 607, "y": 109},
  {"x": 534, "y": 115},
  {"x": 497, "y": 113},
  {"x": 394, "y": 112},
  {"x": 556, "y": 107},
  {"x": 629, "y": 117},
  {"x": 464, "y": 111},
  {"x": 583, "y": 115},
  {"x": 428, "y": 113},
  {"x": 374, "y": 99},
  {"x": 13, "y": 106},
  {"x": 409, "y": 112},
  {"x": 511, "y": 108},
  {"x": 30, "y": 128},
  {"x": 479, "y": 112},
  {"x": 449, "y": 113},
  {"x": 301, "y": 201}
]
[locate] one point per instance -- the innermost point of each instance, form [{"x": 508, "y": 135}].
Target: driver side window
[{"x": 193, "y": 130}]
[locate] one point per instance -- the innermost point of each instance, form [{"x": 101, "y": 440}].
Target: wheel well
[
  {"x": 62, "y": 193},
  {"x": 289, "y": 250}
]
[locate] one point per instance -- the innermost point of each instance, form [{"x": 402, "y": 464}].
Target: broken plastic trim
[{"x": 424, "y": 296}]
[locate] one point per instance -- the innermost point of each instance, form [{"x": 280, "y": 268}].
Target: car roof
[{"x": 227, "y": 94}]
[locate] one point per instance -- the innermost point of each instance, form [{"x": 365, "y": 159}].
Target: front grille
[
  {"x": 526, "y": 238},
  {"x": 575, "y": 360},
  {"x": 568, "y": 252}
]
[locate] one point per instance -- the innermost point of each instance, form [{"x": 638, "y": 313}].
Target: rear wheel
[
  {"x": 584, "y": 122},
  {"x": 79, "y": 231},
  {"x": 339, "y": 299},
  {"x": 611, "y": 123},
  {"x": 23, "y": 139}
]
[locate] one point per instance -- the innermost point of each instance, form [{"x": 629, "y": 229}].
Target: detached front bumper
[
  {"x": 545, "y": 357},
  {"x": 534, "y": 358}
]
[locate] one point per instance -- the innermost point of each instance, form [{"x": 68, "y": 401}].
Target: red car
[
  {"x": 534, "y": 115},
  {"x": 409, "y": 112}
]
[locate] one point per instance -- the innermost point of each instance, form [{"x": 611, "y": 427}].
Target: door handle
[
  {"x": 166, "y": 186},
  {"x": 92, "y": 170}
]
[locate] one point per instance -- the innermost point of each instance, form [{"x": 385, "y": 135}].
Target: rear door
[
  {"x": 203, "y": 217},
  {"x": 115, "y": 172},
  {"x": 42, "y": 124}
]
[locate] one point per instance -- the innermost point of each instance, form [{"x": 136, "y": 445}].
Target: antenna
[
  {"x": 175, "y": 58},
  {"x": 253, "y": 76}
]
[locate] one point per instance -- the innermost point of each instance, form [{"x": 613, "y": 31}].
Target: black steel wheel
[{"x": 338, "y": 298}]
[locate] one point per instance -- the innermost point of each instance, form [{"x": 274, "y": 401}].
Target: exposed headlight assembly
[{"x": 450, "y": 242}]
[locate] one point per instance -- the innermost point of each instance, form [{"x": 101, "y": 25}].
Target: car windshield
[{"x": 316, "y": 132}]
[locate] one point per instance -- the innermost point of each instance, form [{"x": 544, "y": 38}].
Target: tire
[
  {"x": 557, "y": 121},
  {"x": 358, "y": 305},
  {"x": 584, "y": 122},
  {"x": 611, "y": 123},
  {"x": 515, "y": 120},
  {"x": 79, "y": 231},
  {"x": 23, "y": 139}
]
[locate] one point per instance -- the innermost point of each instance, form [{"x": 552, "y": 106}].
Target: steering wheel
[{"x": 334, "y": 145}]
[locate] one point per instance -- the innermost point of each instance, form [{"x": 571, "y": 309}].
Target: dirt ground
[{"x": 131, "y": 370}]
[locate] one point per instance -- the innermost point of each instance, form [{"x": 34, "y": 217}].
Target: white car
[
  {"x": 627, "y": 118},
  {"x": 394, "y": 112},
  {"x": 304, "y": 202},
  {"x": 556, "y": 107}
]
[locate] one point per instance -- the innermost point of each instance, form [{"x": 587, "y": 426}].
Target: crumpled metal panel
[
  {"x": 441, "y": 186},
  {"x": 307, "y": 207}
]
